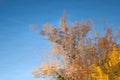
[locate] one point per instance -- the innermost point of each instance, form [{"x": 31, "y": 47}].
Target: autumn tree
[{"x": 82, "y": 55}]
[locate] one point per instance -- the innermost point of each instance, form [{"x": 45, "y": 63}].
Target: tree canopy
[{"x": 83, "y": 54}]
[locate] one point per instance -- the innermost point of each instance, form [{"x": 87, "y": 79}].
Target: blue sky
[{"x": 21, "y": 49}]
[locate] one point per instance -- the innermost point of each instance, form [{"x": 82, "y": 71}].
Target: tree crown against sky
[{"x": 81, "y": 53}]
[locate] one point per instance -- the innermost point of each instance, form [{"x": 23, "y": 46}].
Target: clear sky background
[{"x": 21, "y": 49}]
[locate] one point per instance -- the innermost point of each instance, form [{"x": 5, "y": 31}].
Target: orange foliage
[{"x": 81, "y": 57}]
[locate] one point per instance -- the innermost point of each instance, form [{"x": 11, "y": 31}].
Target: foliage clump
[{"x": 82, "y": 56}]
